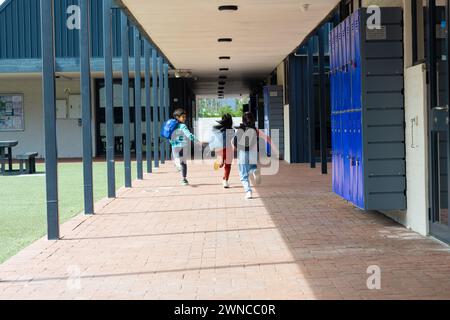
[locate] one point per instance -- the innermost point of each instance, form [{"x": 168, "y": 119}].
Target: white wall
[
  {"x": 287, "y": 135},
  {"x": 32, "y": 138},
  {"x": 416, "y": 217}
]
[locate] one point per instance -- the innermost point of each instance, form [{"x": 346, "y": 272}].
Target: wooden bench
[{"x": 29, "y": 159}]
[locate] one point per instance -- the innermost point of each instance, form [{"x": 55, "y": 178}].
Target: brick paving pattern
[{"x": 296, "y": 240}]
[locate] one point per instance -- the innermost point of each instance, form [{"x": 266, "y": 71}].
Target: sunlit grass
[{"x": 23, "y": 208}]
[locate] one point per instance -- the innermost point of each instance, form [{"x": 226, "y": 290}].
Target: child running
[
  {"x": 179, "y": 143},
  {"x": 225, "y": 153},
  {"x": 246, "y": 142}
]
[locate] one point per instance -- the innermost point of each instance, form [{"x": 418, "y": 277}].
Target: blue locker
[
  {"x": 357, "y": 101},
  {"x": 348, "y": 108},
  {"x": 345, "y": 119},
  {"x": 333, "y": 115},
  {"x": 335, "y": 107},
  {"x": 357, "y": 105}
]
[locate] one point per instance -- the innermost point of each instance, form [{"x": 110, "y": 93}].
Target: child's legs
[
  {"x": 227, "y": 161},
  {"x": 243, "y": 173},
  {"x": 178, "y": 155},
  {"x": 227, "y": 172}
]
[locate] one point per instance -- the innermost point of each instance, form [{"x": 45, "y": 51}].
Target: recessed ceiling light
[
  {"x": 225, "y": 40},
  {"x": 224, "y": 69},
  {"x": 225, "y": 58},
  {"x": 228, "y": 8},
  {"x": 305, "y": 7}
]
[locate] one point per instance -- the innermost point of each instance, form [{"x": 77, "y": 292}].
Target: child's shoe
[
  {"x": 257, "y": 176},
  {"x": 184, "y": 182},
  {"x": 226, "y": 185},
  {"x": 249, "y": 195}
]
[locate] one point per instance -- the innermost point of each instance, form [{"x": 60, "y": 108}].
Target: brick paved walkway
[{"x": 295, "y": 241}]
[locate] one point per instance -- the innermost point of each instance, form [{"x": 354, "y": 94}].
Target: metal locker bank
[{"x": 368, "y": 136}]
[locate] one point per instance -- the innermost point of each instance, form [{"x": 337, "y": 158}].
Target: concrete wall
[{"x": 32, "y": 138}]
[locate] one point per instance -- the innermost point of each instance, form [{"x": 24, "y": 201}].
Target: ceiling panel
[{"x": 264, "y": 32}]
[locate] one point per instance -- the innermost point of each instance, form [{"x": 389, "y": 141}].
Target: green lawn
[{"x": 22, "y": 202}]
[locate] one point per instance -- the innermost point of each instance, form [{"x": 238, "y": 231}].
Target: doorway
[{"x": 437, "y": 52}]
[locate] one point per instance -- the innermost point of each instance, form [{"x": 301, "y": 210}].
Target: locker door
[
  {"x": 347, "y": 27},
  {"x": 340, "y": 110},
  {"x": 354, "y": 149},
  {"x": 333, "y": 108},
  {"x": 357, "y": 96},
  {"x": 345, "y": 155}
]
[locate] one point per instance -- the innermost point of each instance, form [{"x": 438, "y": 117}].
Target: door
[{"x": 436, "y": 39}]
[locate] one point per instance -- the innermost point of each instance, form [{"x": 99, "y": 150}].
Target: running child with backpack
[{"x": 179, "y": 135}]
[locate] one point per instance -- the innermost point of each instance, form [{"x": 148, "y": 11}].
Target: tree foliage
[{"x": 215, "y": 108}]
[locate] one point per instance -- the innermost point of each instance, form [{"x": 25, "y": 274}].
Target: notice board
[{"x": 11, "y": 112}]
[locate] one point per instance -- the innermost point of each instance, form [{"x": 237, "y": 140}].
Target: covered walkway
[{"x": 296, "y": 240}]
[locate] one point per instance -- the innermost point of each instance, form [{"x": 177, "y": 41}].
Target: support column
[
  {"x": 161, "y": 104},
  {"x": 148, "y": 107},
  {"x": 109, "y": 108},
  {"x": 138, "y": 102},
  {"x": 311, "y": 103},
  {"x": 166, "y": 104},
  {"x": 447, "y": 13},
  {"x": 155, "y": 108},
  {"x": 49, "y": 100},
  {"x": 85, "y": 63},
  {"x": 322, "y": 102},
  {"x": 126, "y": 99}
]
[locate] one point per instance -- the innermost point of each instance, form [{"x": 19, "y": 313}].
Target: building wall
[
  {"x": 416, "y": 133},
  {"x": 281, "y": 70},
  {"x": 69, "y": 133}
]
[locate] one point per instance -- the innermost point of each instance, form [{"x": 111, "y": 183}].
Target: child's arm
[{"x": 189, "y": 134}]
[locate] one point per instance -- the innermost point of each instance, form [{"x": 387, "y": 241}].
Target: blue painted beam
[
  {"x": 109, "y": 108},
  {"x": 85, "y": 56},
  {"x": 138, "y": 103},
  {"x": 311, "y": 103},
  {"x": 126, "y": 100},
  {"x": 156, "y": 121},
  {"x": 161, "y": 104},
  {"x": 166, "y": 104},
  {"x": 49, "y": 101},
  {"x": 148, "y": 106}
]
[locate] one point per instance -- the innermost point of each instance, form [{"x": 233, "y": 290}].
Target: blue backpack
[{"x": 168, "y": 128}]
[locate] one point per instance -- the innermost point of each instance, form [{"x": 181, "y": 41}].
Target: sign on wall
[{"x": 11, "y": 112}]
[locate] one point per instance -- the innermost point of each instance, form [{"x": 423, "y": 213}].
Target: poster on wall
[{"x": 11, "y": 112}]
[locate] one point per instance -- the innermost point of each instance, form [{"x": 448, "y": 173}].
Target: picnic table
[{"x": 3, "y": 146}]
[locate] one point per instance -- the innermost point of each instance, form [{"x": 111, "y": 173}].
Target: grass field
[{"x": 22, "y": 202}]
